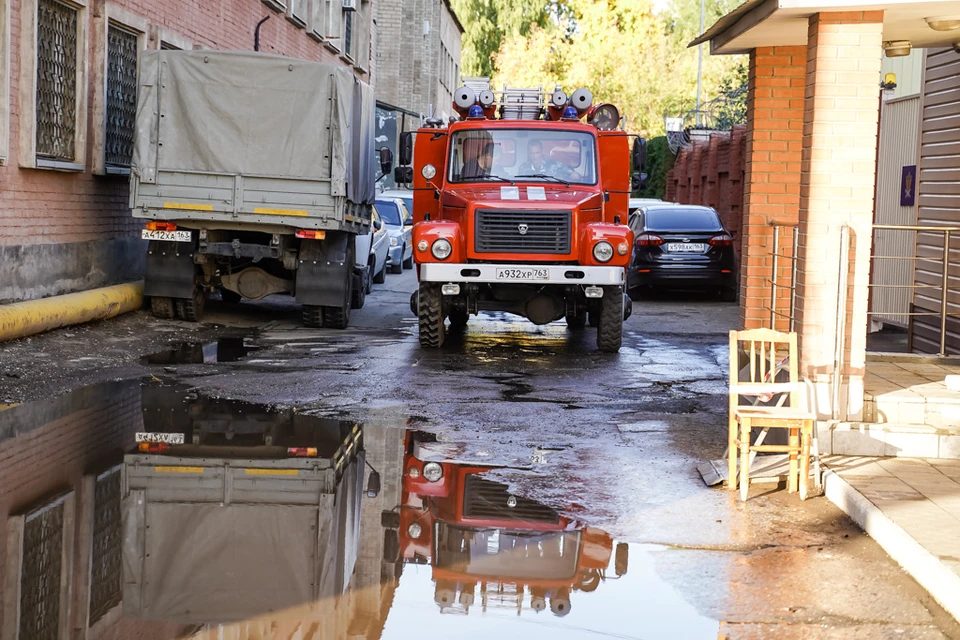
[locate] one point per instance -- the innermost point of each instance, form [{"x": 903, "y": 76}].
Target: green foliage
[
  {"x": 732, "y": 109},
  {"x": 659, "y": 161}
]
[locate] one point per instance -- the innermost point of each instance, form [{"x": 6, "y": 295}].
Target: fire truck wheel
[
  {"x": 312, "y": 316},
  {"x": 610, "y": 328},
  {"x": 162, "y": 307},
  {"x": 577, "y": 321},
  {"x": 430, "y": 313},
  {"x": 191, "y": 309},
  {"x": 459, "y": 319}
]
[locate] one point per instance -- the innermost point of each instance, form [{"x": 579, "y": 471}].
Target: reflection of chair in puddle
[{"x": 764, "y": 351}]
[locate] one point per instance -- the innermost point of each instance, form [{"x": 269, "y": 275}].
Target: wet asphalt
[{"x": 605, "y": 445}]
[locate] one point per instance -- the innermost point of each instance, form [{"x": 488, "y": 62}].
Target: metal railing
[
  {"x": 943, "y": 313},
  {"x": 773, "y": 281},
  {"x": 910, "y": 261}
]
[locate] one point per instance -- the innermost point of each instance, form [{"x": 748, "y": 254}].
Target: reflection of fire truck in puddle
[{"x": 490, "y": 547}]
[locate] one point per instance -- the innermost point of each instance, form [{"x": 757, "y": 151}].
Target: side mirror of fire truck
[
  {"x": 386, "y": 160},
  {"x": 403, "y": 175},
  {"x": 639, "y": 154},
  {"x": 405, "y": 152},
  {"x": 638, "y": 181}
]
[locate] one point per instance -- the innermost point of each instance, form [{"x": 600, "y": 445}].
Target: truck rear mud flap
[
  {"x": 170, "y": 270},
  {"x": 322, "y": 273}
]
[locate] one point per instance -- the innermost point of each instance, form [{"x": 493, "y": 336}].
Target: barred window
[
  {"x": 121, "y": 96},
  {"x": 56, "y": 80},
  {"x": 348, "y": 32}
]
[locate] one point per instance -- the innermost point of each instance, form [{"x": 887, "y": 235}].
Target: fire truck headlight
[
  {"x": 623, "y": 248},
  {"x": 428, "y": 171},
  {"x": 441, "y": 249},
  {"x": 603, "y": 251},
  {"x": 414, "y": 530},
  {"x": 432, "y": 471}
]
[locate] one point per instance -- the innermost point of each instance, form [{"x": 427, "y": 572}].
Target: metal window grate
[
  {"x": 56, "y": 81},
  {"x": 121, "y": 96},
  {"x": 41, "y": 574},
  {"x": 106, "y": 571}
]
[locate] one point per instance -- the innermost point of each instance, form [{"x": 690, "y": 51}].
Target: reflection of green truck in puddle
[
  {"x": 255, "y": 173},
  {"x": 255, "y": 512}
]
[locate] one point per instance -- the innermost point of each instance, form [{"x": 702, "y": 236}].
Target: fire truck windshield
[
  {"x": 523, "y": 155},
  {"x": 495, "y": 553}
]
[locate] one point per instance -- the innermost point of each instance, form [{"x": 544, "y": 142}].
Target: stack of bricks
[{"x": 710, "y": 172}]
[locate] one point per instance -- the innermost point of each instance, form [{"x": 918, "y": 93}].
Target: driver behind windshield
[
  {"x": 481, "y": 165},
  {"x": 538, "y": 164}
]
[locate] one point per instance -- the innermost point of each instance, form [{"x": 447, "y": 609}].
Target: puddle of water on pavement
[
  {"x": 223, "y": 350},
  {"x": 238, "y": 532}
]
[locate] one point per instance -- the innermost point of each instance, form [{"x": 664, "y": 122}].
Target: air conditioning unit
[{"x": 349, "y": 5}]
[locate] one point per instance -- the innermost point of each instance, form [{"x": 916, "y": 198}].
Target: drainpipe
[
  {"x": 256, "y": 34},
  {"x": 841, "y": 317}
]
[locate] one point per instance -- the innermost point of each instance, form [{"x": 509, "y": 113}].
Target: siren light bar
[{"x": 475, "y": 99}]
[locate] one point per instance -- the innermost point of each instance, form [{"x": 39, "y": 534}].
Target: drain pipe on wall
[{"x": 841, "y": 317}]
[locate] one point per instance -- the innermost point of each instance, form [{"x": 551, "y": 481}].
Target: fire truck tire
[
  {"x": 610, "y": 327},
  {"x": 162, "y": 307},
  {"x": 459, "y": 319},
  {"x": 577, "y": 321},
  {"x": 191, "y": 309},
  {"x": 430, "y": 313},
  {"x": 312, "y": 316}
]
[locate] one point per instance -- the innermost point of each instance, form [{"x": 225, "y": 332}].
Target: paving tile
[{"x": 852, "y": 466}]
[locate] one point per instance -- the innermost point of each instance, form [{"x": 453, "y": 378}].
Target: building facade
[
  {"x": 68, "y": 79},
  {"x": 418, "y": 62}
]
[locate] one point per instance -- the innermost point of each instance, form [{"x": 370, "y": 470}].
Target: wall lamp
[
  {"x": 897, "y": 48},
  {"x": 944, "y": 23}
]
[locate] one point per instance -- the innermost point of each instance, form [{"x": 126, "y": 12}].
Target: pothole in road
[{"x": 223, "y": 350}]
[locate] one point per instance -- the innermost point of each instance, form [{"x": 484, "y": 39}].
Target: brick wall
[
  {"x": 47, "y": 448},
  {"x": 710, "y": 172},
  {"x": 43, "y": 211}
]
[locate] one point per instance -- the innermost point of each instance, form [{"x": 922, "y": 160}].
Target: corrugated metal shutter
[
  {"x": 890, "y": 302},
  {"x": 939, "y": 200}
]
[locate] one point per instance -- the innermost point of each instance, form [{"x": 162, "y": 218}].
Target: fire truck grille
[
  {"x": 487, "y": 499},
  {"x": 523, "y": 231}
]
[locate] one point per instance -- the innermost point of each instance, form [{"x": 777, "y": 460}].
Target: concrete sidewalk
[{"x": 911, "y": 507}]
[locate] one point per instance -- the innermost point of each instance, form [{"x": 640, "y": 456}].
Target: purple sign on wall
[{"x": 908, "y": 186}]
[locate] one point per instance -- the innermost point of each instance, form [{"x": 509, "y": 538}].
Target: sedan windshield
[
  {"x": 389, "y": 211},
  {"x": 679, "y": 219},
  {"x": 523, "y": 155}
]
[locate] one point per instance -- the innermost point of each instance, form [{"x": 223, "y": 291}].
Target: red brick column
[
  {"x": 837, "y": 189},
  {"x": 771, "y": 191}
]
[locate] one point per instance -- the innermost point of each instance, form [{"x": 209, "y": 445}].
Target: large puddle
[{"x": 145, "y": 510}]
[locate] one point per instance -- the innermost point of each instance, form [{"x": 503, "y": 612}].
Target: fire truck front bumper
[{"x": 521, "y": 274}]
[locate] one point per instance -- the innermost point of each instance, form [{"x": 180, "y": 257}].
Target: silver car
[{"x": 398, "y": 222}]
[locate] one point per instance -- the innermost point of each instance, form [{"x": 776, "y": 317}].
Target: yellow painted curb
[{"x": 36, "y": 316}]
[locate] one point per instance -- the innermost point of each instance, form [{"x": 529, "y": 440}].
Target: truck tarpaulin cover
[{"x": 238, "y": 112}]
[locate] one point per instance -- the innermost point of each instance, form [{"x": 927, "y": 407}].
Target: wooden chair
[{"x": 764, "y": 349}]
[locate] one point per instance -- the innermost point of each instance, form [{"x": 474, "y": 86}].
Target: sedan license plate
[
  {"x": 686, "y": 247},
  {"x": 159, "y": 438},
  {"x": 169, "y": 236},
  {"x": 523, "y": 274}
]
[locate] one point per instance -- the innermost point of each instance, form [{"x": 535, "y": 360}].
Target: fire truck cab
[{"x": 524, "y": 213}]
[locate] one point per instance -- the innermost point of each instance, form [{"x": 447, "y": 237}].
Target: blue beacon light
[
  {"x": 476, "y": 111},
  {"x": 570, "y": 113}
]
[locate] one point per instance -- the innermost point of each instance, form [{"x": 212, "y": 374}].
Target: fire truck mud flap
[
  {"x": 170, "y": 271},
  {"x": 322, "y": 276},
  {"x": 627, "y": 307}
]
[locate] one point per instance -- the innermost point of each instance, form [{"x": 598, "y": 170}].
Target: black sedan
[{"x": 681, "y": 247}]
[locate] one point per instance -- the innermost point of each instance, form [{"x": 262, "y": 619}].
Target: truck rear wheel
[
  {"x": 610, "y": 325},
  {"x": 312, "y": 316},
  {"x": 162, "y": 307},
  {"x": 191, "y": 309},
  {"x": 430, "y": 313}
]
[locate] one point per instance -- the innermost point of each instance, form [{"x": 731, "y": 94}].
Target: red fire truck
[
  {"x": 486, "y": 544},
  {"x": 520, "y": 206}
]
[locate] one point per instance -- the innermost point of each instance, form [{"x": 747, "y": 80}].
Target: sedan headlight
[
  {"x": 603, "y": 251},
  {"x": 432, "y": 471},
  {"x": 393, "y": 241},
  {"x": 414, "y": 530},
  {"x": 442, "y": 249}
]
